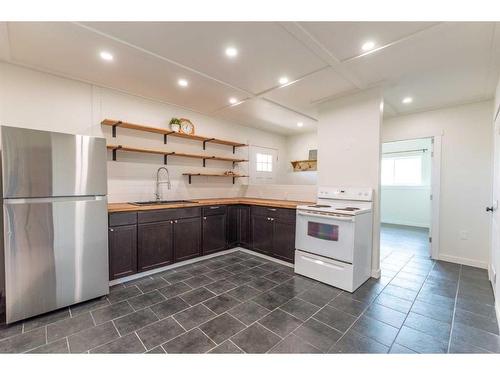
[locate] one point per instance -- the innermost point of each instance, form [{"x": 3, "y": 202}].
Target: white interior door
[
  {"x": 495, "y": 222},
  {"x": 263, "y": 165}
]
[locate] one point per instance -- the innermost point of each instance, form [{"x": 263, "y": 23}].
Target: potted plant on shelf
[{"x": 175, "y": 124}]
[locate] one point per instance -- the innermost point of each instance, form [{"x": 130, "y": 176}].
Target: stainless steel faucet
[{"x": 158, "y": 183}]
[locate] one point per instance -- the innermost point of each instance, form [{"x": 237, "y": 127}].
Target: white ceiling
[{"x": 438, "y": 64}]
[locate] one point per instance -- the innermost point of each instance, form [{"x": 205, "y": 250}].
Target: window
[
  {"x": 264, "y": 162},
  {"x": 402, "y": 170}
]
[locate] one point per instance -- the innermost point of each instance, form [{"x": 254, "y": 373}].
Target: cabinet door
[
  {"x": 262, "y": 234},
  {"x": 214, "y": 233},
  {"x": 187, "y": 238},
  {"x": 284, "y": 240},
  {"x": 122, "y": 251},
  {"x": 244, "y": 226},
  {"x": 155, "y": 246},
  {"x": 232, "y": 226}
]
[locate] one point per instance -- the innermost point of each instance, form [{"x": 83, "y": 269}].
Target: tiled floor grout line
[
  {"x": 412, "y": 303},
  {"x": 145, "y": 349},
  {"x": 454, "y": 308},
  {"x": 366, "y": 308}
]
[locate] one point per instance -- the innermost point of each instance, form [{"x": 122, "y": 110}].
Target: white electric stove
[{"x": 333, "y": 237}]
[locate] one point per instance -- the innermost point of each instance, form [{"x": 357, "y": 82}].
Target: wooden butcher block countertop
[{"x": 122, "y": 207}]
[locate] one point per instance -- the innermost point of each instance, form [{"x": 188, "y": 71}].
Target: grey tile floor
[
  {"x": 400, "y": 238},
  {"x": 241, "y": 303}
]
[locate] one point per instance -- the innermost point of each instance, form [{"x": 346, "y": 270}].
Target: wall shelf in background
[
  {"x": 304, "y": 165},
  {"x": 213, "y": 175},
  {"x": 166, "y": 132},
  {"x": 166, "y": 154}
]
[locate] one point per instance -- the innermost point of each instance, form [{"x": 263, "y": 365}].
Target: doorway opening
[{"x": 406, "y": 199}]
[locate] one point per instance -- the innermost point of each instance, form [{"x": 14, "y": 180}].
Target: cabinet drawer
[
  {"x": 286, "y": 214},
  {"x": 214, "y": 210},
  {"x": 122, "y": 218},
  {"x": 167, "y": 214}
]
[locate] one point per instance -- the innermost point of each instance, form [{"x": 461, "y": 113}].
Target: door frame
[{"x": 435, "y": 187}]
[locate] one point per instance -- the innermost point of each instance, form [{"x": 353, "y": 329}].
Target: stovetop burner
[{"x": 319, "y": 205}]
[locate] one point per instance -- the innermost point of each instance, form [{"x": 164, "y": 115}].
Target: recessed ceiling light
[
  {"x": 367, "y": 46},
  {"x": 233, "y": 100},
  {"x": 182, "y": 82},
  {"x": 106, "y": 56},
  {"x": 283, "y": 80},
  {"x": 300, "y": 124},
  {"x": 407, "y": 100},
  {"x": 231, "y": 52}
]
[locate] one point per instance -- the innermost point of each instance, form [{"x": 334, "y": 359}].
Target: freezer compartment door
[
  {"x": 37, "y": 163},
  {"x": 56, "y": 253}
]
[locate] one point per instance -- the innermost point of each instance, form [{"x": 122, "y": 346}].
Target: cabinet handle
[
  {"x": 272, "y": 219},
  {"x": 171, "y": 221},
  {"x": 204, "y": 218},
  {"x": 272, "y": 209},
  {"x": 175, "y": 221},
  {"x": 214, "y": 207},
  {"x": 111, "y": 230}
]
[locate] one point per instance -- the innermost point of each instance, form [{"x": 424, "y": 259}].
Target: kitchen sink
[{"x": 149, "y": 203}]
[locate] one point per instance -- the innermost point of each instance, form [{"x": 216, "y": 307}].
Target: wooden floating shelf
[
  {"x": 166, "y": 154},
  {"x": 213, "y": 175},
  {"x": 304, "y": 165},
  {"x": 167, "y": 132}
]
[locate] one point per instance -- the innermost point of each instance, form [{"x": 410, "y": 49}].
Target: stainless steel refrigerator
[{"x": 54, "y": 223}]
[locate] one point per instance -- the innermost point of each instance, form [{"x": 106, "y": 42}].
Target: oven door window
[{"x": 328, "y": 232}]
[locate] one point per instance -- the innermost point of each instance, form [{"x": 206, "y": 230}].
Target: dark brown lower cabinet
[
  {"x": 122, "y": 251},
  {"x": 187, "y": 238},
  {"x": 274, "y": 234},
  {"x": 238, "y": 226},
  {"x": 146, "y": 240},
  {"x": 284, "y": 240},
  {"x": 214, "y": 233},
  {"x": 262, "y": 234},
  {"x": 155, "y": 245}
]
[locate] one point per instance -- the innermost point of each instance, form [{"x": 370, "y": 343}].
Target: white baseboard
[
  {"x": 464, "y": 261},
  {"x": 376, "y": 273},
  {"x": 407, "y": 224}
]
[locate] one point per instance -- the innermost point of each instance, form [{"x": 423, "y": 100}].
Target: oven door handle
[{"x": 350, "y": 219}]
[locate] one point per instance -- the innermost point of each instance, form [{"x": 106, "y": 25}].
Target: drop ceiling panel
[
  {"x": 344, "y": 39},
  {"x": 266, "y": 51},
  {"x": 73, "y": 51},
  {"x": 463, "y": 47},
  {"x": 436, "y": 89},
  {"x": 305, "y": 93},
  {"x": 260, "y": 113}
]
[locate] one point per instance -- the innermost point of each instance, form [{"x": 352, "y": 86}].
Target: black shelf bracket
[
  {"x": 114, "y": 152},
  {"x": 234, "y": 178},
  {"x": 165, "y": 139},
  {"x": 189, "y": 178},
  {"x": 165, "y": 159},
  {"x": 113, "y": 129},
  {"x": 207, "y": 140},
  {"x": 204, "y": 162},
  {"x": 234, "y": 149}
]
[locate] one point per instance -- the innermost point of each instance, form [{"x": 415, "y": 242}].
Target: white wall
[
  {"x": 297, "y": 147},
  {"x": 38, "y": 100},
  {"x": 495, "y": 249},
  {"x": 465, "y": 175},
  {"x": 349, "y": 149},
  {"x": 408, "y": 205}
]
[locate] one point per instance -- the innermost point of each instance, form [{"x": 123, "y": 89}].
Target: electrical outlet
[{"x": 464, "y": 234}]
